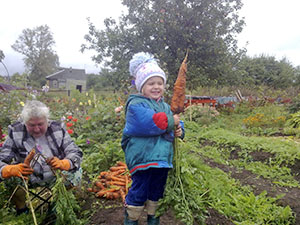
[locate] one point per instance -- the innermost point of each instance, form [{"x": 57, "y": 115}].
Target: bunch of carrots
[{"x": 112, "y": 184}]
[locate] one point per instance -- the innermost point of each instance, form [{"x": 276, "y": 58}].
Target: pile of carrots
[{"x": 112, "y": 184}]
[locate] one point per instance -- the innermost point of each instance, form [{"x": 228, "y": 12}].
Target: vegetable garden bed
[{"x": 230, "y": 175}]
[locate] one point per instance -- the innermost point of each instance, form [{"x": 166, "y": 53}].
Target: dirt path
[{"x": 111, "y": 212}]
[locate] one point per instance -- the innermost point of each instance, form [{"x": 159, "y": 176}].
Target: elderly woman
[{"x": 54, "y": 150}]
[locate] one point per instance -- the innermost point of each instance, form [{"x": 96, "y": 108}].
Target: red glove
[
  {"x": 161, "y": 120},
  {"x": 17, "y": 170},
  {"x": 56, "y": 163}
]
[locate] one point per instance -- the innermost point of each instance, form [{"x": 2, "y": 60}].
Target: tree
[
  {"x": 267, "y": 71},
  {"x": 40, "y": 58},
  {"x": 167, "y": 28},
  {"x": 2, "y": 56}
]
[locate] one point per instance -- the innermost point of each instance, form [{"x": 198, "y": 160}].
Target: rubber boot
[
  {"x": 152, "y": 220},
  {"x": 132, "y": 214},
  {"x": 127, "y": 221},
  {"x": 151, "y": 207}
]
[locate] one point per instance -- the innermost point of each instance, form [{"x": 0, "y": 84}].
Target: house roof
[
  {"x": 8, "y": 87},
  {"x": 68, "y": 73}
]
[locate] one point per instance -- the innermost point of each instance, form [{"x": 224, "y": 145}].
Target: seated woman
[{"x": 54, "y": 149}]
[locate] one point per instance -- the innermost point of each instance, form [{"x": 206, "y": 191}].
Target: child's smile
[{"x": 154, "y": 88}]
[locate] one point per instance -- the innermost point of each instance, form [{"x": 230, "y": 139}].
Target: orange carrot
[
  {"x": 123, "y": 195},
  {"x": 95, "y": 189},
  {"x": 102, "y": 180},
  {"x": 126, "y": 184},
  {"x": 100, "y": 193},
  {"x": 113, "y": 178},
  {"x": 118, "y": 172},
  {"x": 116, "y": 168},
  {"x": 29, "y": 157},
  {"x": 178, "y": 98},
  {"x": 109, "y": 195},
  {"x": 116, "y": 183},
  {"x": 111, "y": 190},
  {"x": 116, "y": 195},
  {"x": 119, "y": 163},
  {"x": 99, "y": 185},
  {"x": 90, "y": 189},
  {"x": 103, "y": 173}
]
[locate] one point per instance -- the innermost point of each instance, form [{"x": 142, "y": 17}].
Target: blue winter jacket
[{"x": 148, "y": 134}]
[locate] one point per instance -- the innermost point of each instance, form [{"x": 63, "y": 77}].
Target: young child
[{"x": 147, "y": 139}]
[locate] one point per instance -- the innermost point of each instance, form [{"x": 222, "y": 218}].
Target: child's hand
[
  {"x": 176, "y": 119},
  {"x": 178, "y": 131}
]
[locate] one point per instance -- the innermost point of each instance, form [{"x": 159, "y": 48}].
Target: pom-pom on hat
[{"x": 143, "y": 66}]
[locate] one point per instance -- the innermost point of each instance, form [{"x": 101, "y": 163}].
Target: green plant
[
  {"x": 294, "y": 120},
  {"x": 65, "y": 203}
]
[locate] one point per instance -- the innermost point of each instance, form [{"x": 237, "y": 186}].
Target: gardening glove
[
  {"x": 56, "y": 163},
  {"x": 17, "y": 170}
]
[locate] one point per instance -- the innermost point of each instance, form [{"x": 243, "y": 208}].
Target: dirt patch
[
  {"x": 109, "y": 212},
  {"x": 261, "y": 156},
  {"x": 115, "y": 216},
  {"x": 291, "y": 195},
  {"x": 214, "y": 217},
  {"x": 295, "y": 169}
]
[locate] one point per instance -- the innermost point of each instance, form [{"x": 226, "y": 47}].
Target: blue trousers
[{"x": 147, "y": 185}]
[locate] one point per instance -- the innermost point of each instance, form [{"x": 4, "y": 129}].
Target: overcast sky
[{"x": 271, "y": 28}]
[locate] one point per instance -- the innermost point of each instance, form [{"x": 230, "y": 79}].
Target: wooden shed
[{"x": 68, "y": 79}]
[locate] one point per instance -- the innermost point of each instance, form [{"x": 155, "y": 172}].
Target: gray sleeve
[{"x": 6, "y": 153}]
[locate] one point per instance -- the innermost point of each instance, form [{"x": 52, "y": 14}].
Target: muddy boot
[
  {"x": 132, "y": 214},
  {"x": 151, "y": 207},
  {"x": 127, "y": 221},
  {"x": 152, "y": 220}
]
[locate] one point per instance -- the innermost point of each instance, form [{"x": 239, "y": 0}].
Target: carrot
[
  {"x": 100, "y": 193},
  {"x": 99, "y": 185},
  {"x": 119, "y": 163},
  {"x": 113, "y": 178},
  {"x": 126, "y": 184},
  {"x": 95, "y": 189},
  {"x": 116, "y": 195},
  {"x": 89, "y": 189},
  {"x": 109, "y": 195},
  {"x": 118, "y": 172},
  {"x": 103, "y": 173},
  {"x": 29, "y": 157},
  {"x": 102, "y": 180},
  {"x": 117, "y": 168},
  {"x": 116, "y": 183},
  {"x": 178, "y": 98},
  {"x": 123, "y": 195}
]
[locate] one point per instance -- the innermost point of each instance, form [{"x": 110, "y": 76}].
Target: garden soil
[
  {"x": 290, "y": 197},
  {"x": 109, "y": 212}
]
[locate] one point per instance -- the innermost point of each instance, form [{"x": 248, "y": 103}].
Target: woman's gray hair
[{"x": 33, "y": 109}]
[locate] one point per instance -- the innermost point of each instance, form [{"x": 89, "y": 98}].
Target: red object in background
[{"x": 196, "y": 100}]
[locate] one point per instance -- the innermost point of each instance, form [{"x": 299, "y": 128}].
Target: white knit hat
[{"x": 143, "y": 66}]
